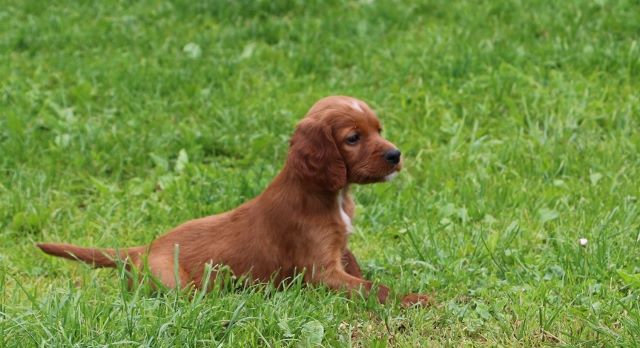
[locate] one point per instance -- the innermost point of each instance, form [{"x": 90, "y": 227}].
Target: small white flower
[
  {"x": 192, "y": 50},
  {"x": 583, "y": 242}
]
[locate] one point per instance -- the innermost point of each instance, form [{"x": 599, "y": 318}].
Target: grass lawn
[{"x": 519, "y": 120}]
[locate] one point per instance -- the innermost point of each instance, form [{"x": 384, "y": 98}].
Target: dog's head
[{"x": 339, "y": 142}]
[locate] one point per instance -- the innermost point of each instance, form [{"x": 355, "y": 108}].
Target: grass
[{"x": 519, "y": 122}]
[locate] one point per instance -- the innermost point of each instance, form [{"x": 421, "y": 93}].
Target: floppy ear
[{"x": 315, "y": 157}]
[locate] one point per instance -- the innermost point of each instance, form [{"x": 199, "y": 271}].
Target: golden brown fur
[{"x": 300, "y": 222}]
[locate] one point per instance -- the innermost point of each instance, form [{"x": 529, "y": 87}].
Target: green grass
[{"x": 519, "y": 120}]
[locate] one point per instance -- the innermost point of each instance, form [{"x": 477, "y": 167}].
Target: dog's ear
[{"x": 315, "y": 157}]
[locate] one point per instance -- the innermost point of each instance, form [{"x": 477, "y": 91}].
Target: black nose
[{"x": 392, "y": 156}]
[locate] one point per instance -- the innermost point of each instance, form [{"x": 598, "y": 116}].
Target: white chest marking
[{"x": 345, "y": 218}]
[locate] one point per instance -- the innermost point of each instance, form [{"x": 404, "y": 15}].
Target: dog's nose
[{"x": 392, "y": 156}]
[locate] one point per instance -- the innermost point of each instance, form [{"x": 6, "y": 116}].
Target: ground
[{"x": 519, "y": 122}]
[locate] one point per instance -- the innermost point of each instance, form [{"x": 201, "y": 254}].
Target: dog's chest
[{"x": 343, "y": 215}]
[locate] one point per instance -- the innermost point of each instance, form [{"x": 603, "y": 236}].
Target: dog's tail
[{"x": 93, "y": 256}]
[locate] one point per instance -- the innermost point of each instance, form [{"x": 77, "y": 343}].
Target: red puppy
[{"x": 300, "y": 222}]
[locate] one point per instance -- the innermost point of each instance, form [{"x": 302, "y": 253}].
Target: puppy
[{"x": 301, "y": 222}]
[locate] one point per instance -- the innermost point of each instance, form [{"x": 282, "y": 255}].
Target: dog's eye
[
  {"x": 380, "y": 131},
  {"x": 353, "y": 139}
]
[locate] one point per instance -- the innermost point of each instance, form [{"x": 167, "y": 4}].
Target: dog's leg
[
  {"x": 350, "y": 264},
  {"x": 162, "y": 267},
  {"x": 338, "y": 279},
  {"x": 352, "y": 268}
]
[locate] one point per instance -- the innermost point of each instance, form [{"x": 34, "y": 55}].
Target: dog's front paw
[{"x": 421, "y": 300}]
